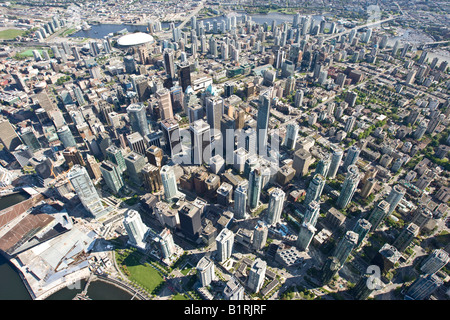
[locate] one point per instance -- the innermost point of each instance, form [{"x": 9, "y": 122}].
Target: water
[
  {"x": 11, "y": 285},
  {"x": 98, "y": 290},
  {"x": 99, "y": 31},
  {"x": 12, "y": 199}
]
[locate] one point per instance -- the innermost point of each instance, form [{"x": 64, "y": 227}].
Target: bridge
[{"x": 371, "y": 24}]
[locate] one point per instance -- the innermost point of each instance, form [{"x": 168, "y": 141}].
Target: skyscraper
[
  {"x": 312, "y": 213},
  {"x": 256, "y": 275},
  {"x": 233, "y": 290},
  {"x": 406, "y": 236},
  {"x": 260, "y": 235},
  {"x": 138, "y": 118},
  {"x": 200, "y": 142},
  {"x": 166, "y": 244},
  {"x": 254, "y": 188},
  {"x": 169, "y": 182},
  {"x": 291, "y": 136},
  {"x": 115, "y": 155},
  {"x": 8, "y": 135},
  {"x": 394, "y": 197},
  {"x": 362, "y": 228},
  {"x": 214, "y": 113},
  {"x": 378, "y": 214},
  {"x": 135, "y": 162},
  {"x": 171, "y": 132},
  {"x": 205, "y": 271},
  {"x": 86, "y": 191},
  {"x": 151, "y": 178},
  {"x": 169, "y": 63},
  {"x": 302, "y": 161},
  {"x": 262, "y": 123},
  {"x": 305, "y": 236},
  {"x": 352, "y": 157},
  {"x": 315, "y": 189},
  {"x": 112, "y": 176},
  {"x": 165, "y": 103},
  {"x": 240, "y": 201},
  {"x": 329, "y": 269},
  {"x": 336, "y": 158},
  {"x": 224, "y": 242},
  {"x": 348, "y": 187},
  {"x": 323, "y": 165},
  {"x": 185, "y": 75},
  {"x": 345, "y": 246},
  {"x": 190, "y": 220},
  {"x": 66, "y": 137},
  {"x": 275, "y": 209},
  {"x": 423, "y": 287},
  {"x": 435, "y": 261},
  {"x": 135, "y": 228}
]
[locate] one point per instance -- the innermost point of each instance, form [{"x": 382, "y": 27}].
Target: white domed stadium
[{"x": 135, "y": 39}]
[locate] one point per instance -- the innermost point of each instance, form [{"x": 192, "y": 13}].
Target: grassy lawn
[
  {"x": 179, "y": 297},
  {"x": 9, "y": 34},
  {"x": 186, "y": 269},
  {"x": 145, "y": 275},
  {"x": 29, "y": 53}
]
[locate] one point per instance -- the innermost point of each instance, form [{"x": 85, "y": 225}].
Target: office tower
[
  {"x": 298, "y": 100},
  {"x": 138, "y": 118},
  {"x": 171, "y": 132},
  {"x": 421, "y": 129},
  {"x": 352, "y": 157},
  {"x": 224, "y": 242},
  {"x": 323, "y": 166},
  {"x": 165, "y": 103},
  {"x": 312, "y": 213},
  {"x": 86, "y": 191},
  {"x": 362, "y": 228},
  {"x": 302, "y": 161},
  {"x": 348, "y": 187},
  {"x": 190, "y": 220},
  {"x": 405, "y": 237},
  {"x": 249, "y": 138},
  {"x": 66, "y": 137},
  {"x": 254, "y": 188},
  {"x": 115, "y": 155},
  {"x": 135, "y": 228},
  {"x": 135, "y": 162},
  {"x": 260, "y": 235},
  {"x": 240, "y": 201},
  {"x": 315, "y": 189},
  {"x": 205, "y": 271},
  {"x": 214, "y": 113},
  {"x": 28, "y": 136},
  {"x": 435, "y": 119},
  {"x": 169, "y": 65},
  {"x": 340, "y": 80},
  {"x": 93, "y": 167},
  {"x": 129, "y": 64},
  {"x": 154, "y": 155},
  {"x": 217, "y": 164},
  {"x": 394, "y": 197},
  {"x": 169, "y": 182},
  {"x": 336, "y": 158},
  {"x": 305, "y": 235},
  {"x": 112, "y": 176},
  {"x": 423, "y": 287},
  {"x": 177, "y": 97},
  {"x": 329, "y": 269},
  {"x": 185, "y": 75},
  {"x": 233, "y": 290},
  {"x": 291, "y": 136},
  {"x": 227, "y": 128},
  {"x": 435, "y": 261},
  {"x": 361, "y": 291},
  {"x": 256, "y": 275},
  {"x": 350, "y": 124},
  {"x": 136, "y": 142},
  {"x": 72, "y": 157},
  {"x": 378, "y": 214},
  {"x": 201, "y": 142},
  {"x": 166, "y": 243},
  {"x": 345, "y": 246},
  {"x": 262, "y": 124},
  {"x": 276, "y": 202},
  {"x": 151, "y": 178},
  {"x": 368, "y": 187}
]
